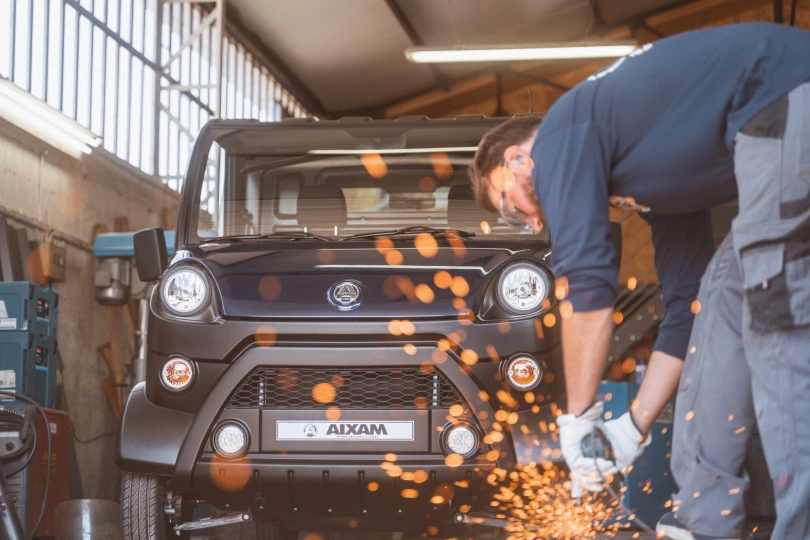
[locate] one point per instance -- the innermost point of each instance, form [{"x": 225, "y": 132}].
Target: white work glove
[
  {"x": 586, "y": 472},
  {"x": 626, "y": 440}
]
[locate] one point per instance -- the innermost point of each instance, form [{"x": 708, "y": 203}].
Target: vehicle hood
[{"x": 281, "y": 279}]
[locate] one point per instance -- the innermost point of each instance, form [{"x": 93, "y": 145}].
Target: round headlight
[
  {"x": 185, "y": 291},
  {"x": 461, "y": 439},
  {"x": 523, "y": 288},
  {"x": 523, "y": 372},
  {"x": 230, "y": 440},
  {"x": 177, "y": 373}
]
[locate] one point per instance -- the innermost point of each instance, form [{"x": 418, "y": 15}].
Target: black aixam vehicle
[{"x": 343, "y": 338}]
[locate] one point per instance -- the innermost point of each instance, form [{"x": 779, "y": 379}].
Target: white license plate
[{"x": 334, "y": 431}]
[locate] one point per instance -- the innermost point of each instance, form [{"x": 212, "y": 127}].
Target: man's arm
[
  {"x": 660, "y": 382},
  {"x": 586, "y": 340},
  {"x": 571, "y": 180},
  {"x": 683, "y": 248}
]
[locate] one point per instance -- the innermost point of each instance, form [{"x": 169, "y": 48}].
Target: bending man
[{"x": 677, "y": 127}]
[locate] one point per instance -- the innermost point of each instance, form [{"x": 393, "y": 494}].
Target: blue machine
[
  {"x": 29, "y": 316},
  {"x": 650, "y": 484},
  {"x": 122, "y": 245},
  {"x": 114, "y": 253}
]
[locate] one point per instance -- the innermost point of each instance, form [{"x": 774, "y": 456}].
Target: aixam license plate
[{"x": 333, "y": 431}]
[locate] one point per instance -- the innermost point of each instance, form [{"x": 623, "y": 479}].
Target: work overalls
[{"x": 748, "y": 359}]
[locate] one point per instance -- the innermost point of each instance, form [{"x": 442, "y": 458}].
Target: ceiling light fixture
[
  {"x": 44, "y": 122},
  {"x": 513, "y": 53}
]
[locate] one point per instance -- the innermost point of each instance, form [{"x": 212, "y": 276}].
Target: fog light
[
  {"x": 231, "y": 440},
  {"x": 461, "y": 439},
  {"x": 523, "y": 372},
  {"x": 177, "y": 373}
]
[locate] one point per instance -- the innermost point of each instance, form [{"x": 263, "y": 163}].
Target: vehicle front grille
[{"x": 345, "y": 388}]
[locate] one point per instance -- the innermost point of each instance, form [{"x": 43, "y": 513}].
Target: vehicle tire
[{"x": 143, "y": 508}]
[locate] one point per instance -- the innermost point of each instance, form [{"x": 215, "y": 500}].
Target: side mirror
[
  {"x": 616, "y": 240},
  {"x": 151, "y": 257}
]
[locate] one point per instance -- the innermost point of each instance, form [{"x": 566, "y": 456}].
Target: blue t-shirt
[{"x": 658, "y": 126}]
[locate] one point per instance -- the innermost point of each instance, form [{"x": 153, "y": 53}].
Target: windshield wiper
[
  {"x": 412, "y": 230},
  {"x": 292, "y": 235}
]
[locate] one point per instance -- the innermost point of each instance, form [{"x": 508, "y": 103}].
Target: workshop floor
[{"x": 247, "y": 532}]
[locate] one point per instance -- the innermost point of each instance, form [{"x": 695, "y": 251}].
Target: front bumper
[
  {"x": 328, "y": 479},
  {"x": 150, "y": 437},
  {"x": 368, "y": 357}
]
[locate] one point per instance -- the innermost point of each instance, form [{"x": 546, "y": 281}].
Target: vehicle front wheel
[{"x": 143, "y": 508}]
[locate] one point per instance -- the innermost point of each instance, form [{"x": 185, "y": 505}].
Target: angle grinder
[{"x": 596, "y": 445}]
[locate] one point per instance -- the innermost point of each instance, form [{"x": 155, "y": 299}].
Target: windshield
[{"x": 339, "y": 194}]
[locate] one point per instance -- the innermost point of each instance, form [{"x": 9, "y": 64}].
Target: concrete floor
[{"x": 248, "y": 532}]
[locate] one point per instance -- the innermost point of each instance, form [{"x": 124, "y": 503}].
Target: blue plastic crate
[
  {"x": 44, "y": 380},
  {"x": 27, "y": 307},
  {"x": 46, "y": 313},
  {"x": 650, "y": 484},
  {"x": 17, "y": 363}
]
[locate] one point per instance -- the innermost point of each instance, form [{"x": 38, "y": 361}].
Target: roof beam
[
  {"x": 436, "y": 96},
  {"x": 700, "y": 14},
  {"x": 413, "y": 35},
  {"x": 404, "y": 23},
  {"x": 539, "y": 80}
]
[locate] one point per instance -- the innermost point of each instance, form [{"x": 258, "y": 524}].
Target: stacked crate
[{"x": 28, "y": 338}]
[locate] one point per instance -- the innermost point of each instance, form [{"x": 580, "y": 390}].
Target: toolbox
[
  {"x": 27, "y": 307},
  {"x": 44, "y": 379},
  {"x": 28, "y": 340},
  {"x": 17, "y": 361}
]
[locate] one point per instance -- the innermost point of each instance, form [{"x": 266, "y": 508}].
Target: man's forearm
[
  {"x": 660, "y": 382},
  {"x": 586, "y": 341}
]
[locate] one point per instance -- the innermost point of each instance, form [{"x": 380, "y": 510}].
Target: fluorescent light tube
[
  {"x": 341, "y": 152},
  {"x": 44, "y": 122},
  {"x": 556, "y": 51}
]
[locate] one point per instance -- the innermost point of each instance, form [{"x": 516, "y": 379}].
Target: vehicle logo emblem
[
  {"x": 310, "y": 430},
  {"x": 346, "y": 295}
]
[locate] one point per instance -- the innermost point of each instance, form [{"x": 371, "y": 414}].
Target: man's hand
[
  {"x": 586, "y": 472},
  {"x": 626, "y": 440}
]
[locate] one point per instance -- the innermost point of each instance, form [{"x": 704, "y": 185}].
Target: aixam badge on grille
[{"x": 346, "y": 295}]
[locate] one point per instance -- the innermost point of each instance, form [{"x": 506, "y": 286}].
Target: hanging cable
[{"x": 91, "y": 439}]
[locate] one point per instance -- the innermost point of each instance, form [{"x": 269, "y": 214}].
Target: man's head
[{"x": 502, "y": 173}]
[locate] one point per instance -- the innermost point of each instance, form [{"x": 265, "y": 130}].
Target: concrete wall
[{"x": 50, "y": 190}]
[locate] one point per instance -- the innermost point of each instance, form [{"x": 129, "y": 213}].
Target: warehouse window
[{"x": 96, "y": 61}]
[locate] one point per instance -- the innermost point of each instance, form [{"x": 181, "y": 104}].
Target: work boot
[{"x": 675, "y": 530}]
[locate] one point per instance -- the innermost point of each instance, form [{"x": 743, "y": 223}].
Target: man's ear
[{"x": 517, "y": 158}]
